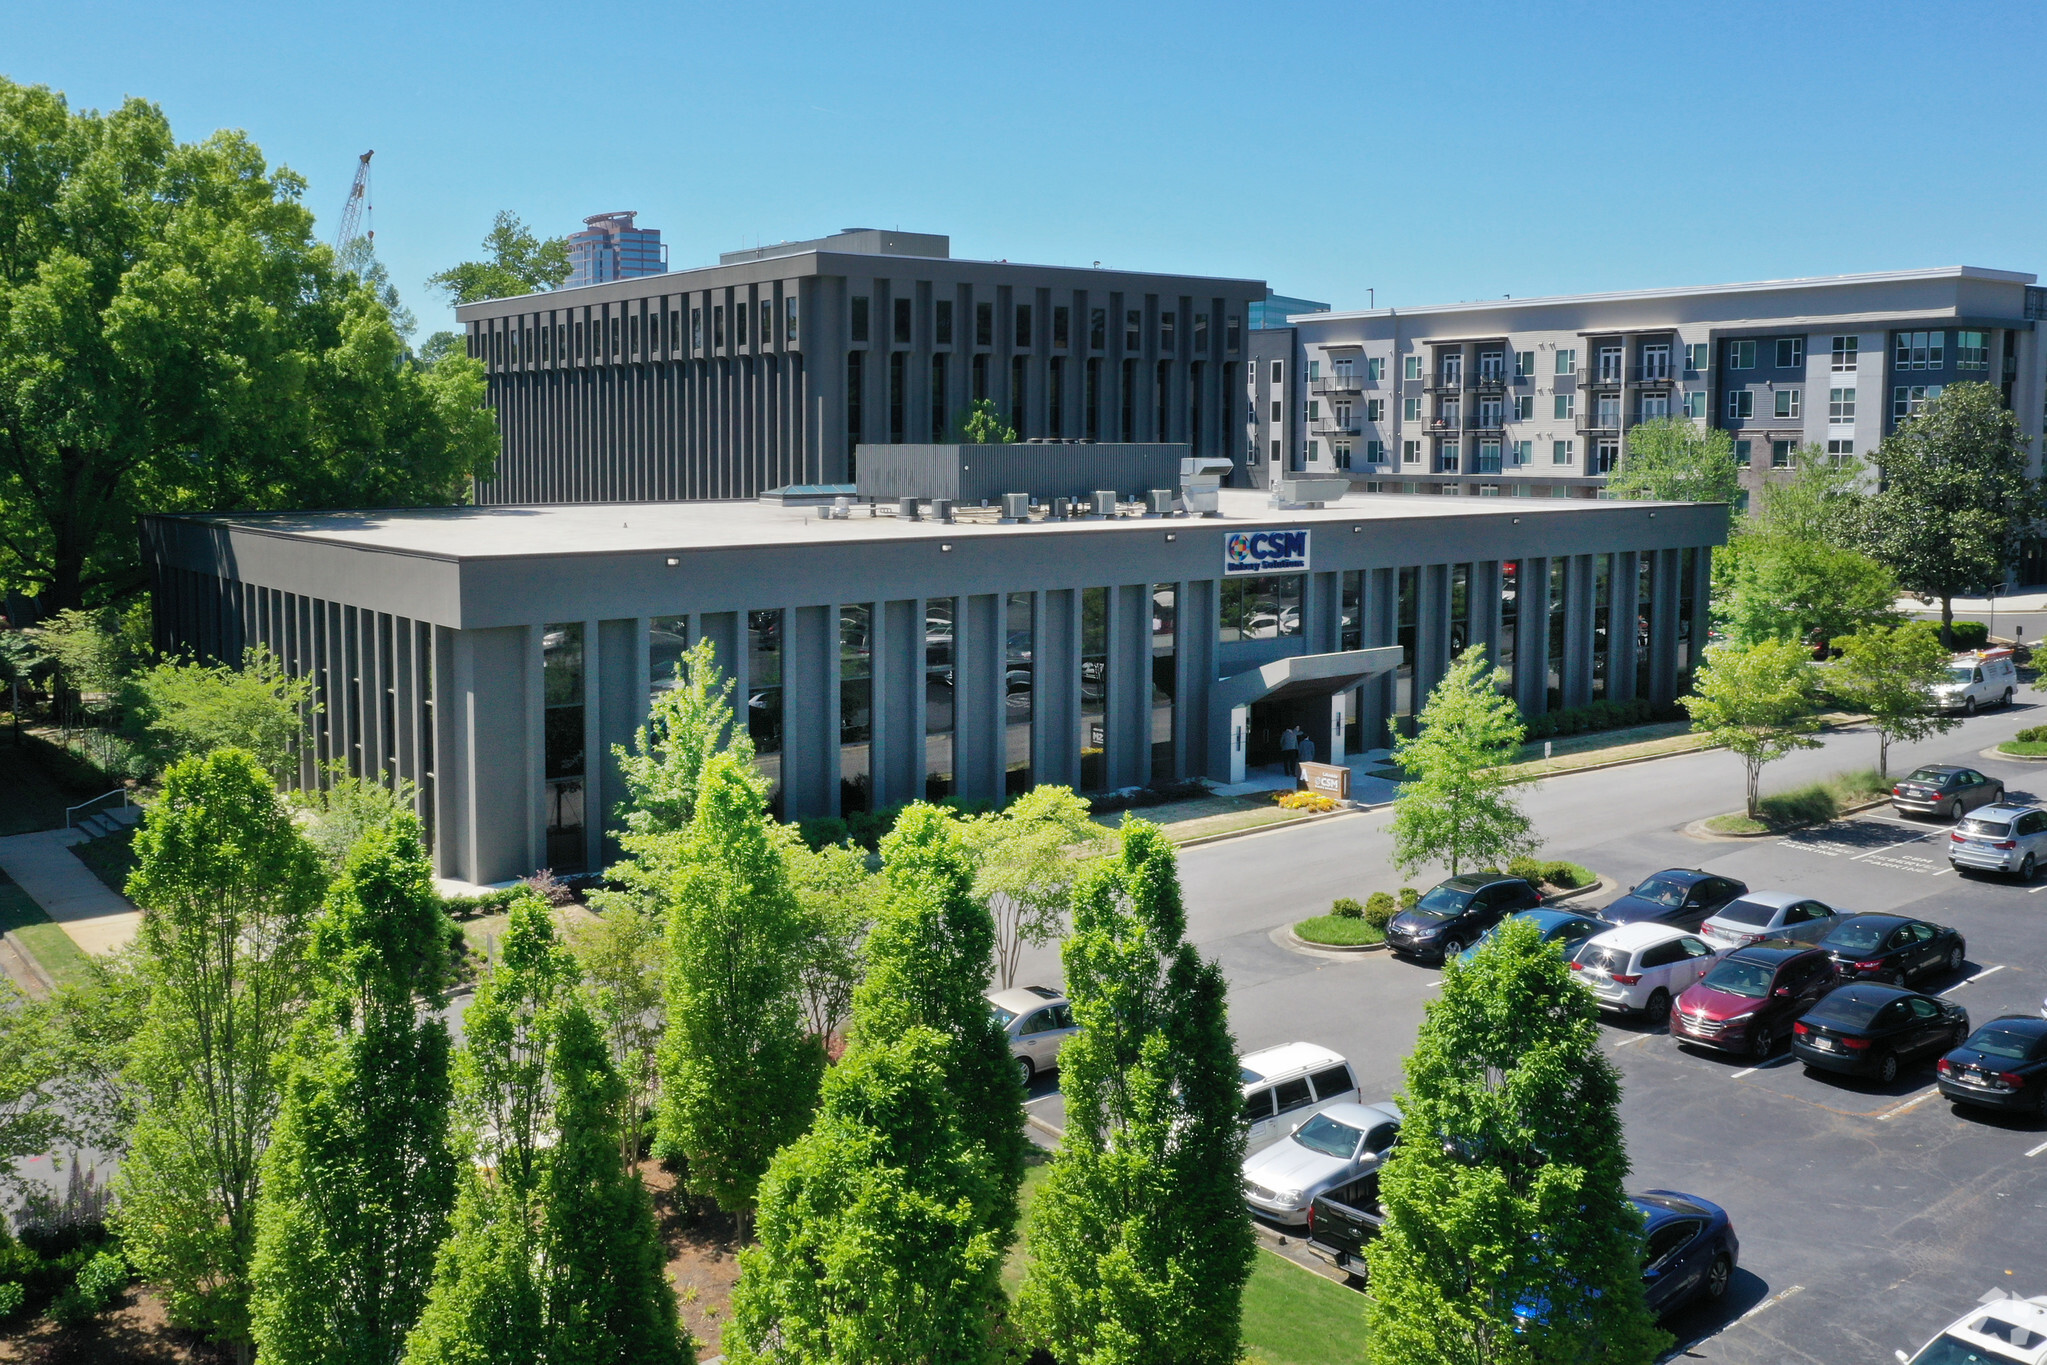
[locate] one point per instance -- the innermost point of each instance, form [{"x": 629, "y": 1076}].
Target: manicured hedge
[{"x": 1600, "y": 715}]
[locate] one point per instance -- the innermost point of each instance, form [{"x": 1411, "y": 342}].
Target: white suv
[
  {"x": 1285, "y": 1086},
  {"x": 1640, "y": 968},
  {"x": 2006, "y": 1331}
]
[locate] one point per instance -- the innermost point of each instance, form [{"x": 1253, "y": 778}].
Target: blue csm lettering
[{"x": 1248, "y": 552}]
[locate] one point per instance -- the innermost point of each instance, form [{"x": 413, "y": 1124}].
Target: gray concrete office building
[
  {"x": 769, "y": 368},
  {"x": 494, "y": 655},
  {"x": 1537, "y": 395}
]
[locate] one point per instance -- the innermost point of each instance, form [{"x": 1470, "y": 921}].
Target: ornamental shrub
[
  {"x": 1526, "y": 868},
  {"x": 1407, "y": 896},
  {"x": 1378, "y": 910},
  {"x": 1347, "y": 908},
  {"x": 1560, "y": 874},
  {"x": 99, "y": 1281},
  {"x": 1970, "y": 634},
  {"x": 2032, "y": 734}
]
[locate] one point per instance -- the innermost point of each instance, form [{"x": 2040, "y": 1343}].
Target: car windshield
[
  {"x": 1747, "y": 912},
  {"x": 1976, "y": 824},
  {"x": 1002, "y": 1016},
  {"x": 1858, "y": 937},
  {"x": 1667, "y": 892},
  {"x": 2000, "y": 1042},
  {"x": 1947, "y": 1350},
  {"x": 1935, "y": 776},
  {"x": 1443, "y": 902},
  {"x": 1325, "y": 1135},
  {"x": 1846, "y": 1010},
  {"x": 1961, "y": 673},
  {"x": 1603, "y": 959},
  {"x": 1736, "y": 977}
]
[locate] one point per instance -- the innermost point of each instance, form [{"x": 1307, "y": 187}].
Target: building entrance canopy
[{"x": 1306, "y": 676}]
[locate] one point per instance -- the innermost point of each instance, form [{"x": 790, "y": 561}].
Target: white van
[
  {"x": 1284, "y": 1085},
  {"x": 1985, "y": 678}
]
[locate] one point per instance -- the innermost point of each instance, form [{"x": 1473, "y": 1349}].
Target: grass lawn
[
  {"x": 63, "y": 959},
  {"x": 2025, "y": 748},
  {"x": 1292, "y": 1316},
  {"x": 1338, "y": 930},
  {"x": 1815, "y": 803}
]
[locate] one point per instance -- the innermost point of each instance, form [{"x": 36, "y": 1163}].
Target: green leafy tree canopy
[
  {"x": 1888, "y": 673},
  {"x": 983, "y": 425},
  {"x": 1457, "y": 804},
  {"x": 1755, "y": 701},
  {"x": 1029, "y": 855},
  {"x": 1789, "y": 587},
  {"x": 185, "y": 709},
  {"x": 517, "y": 262},
  {"x": 1674, "y": 459}
]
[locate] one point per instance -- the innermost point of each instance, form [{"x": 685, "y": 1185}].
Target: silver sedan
[{"x": 1333, "y": 1147}]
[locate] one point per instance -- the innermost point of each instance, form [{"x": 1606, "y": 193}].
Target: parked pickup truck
[{"x": 1343, "y": 1220}]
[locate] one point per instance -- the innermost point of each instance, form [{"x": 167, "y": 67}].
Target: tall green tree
[
  {"x": 517, "y": 262},
  {"x": 1674, "y": 459},
  {"x": 1888, "y": 673},
  {"x": 183, "y": 708},
  {"x": 1821, "y": 501},
  {"x": 173, "y": 338},
  {"x": 739, "y": 1075},
  {"x": 1457, "y": 804},
  {"x": 687, "y": 725},
  {"x": 360, "y": 1174},
  {"x": 1955, "y": 499},
  {"x": 624, "y": 955},
  {"x": 836, "y": 893},
  {"x": 1140, "y": 1244},
  {"x": 228, "y": 889},
  {"x": 1512, "y": 1200},
  {"x": 882, "y": 1229},
  {"x": 1030, "y": 854},
  {"x": 1788, "y": 587},
  {"x": 1756, "y": 702}
]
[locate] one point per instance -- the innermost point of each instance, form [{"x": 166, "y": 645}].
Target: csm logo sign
[{"x": 1246, "y": 552}]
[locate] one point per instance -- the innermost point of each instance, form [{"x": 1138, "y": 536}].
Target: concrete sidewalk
[{"x": 42, "y": 864}]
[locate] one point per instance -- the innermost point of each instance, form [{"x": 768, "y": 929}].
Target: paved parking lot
[{"x": 1869, "y": 1216}]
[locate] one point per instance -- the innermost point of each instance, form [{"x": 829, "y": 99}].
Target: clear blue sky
[{"x": 1435, "y": 153}]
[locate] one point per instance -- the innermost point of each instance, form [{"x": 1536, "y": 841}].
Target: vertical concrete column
[
  {"x": 1531, "y": 642},
  {"x": 455, "y": 840},
  {"x": 810, "y": 711},
  {"x": 1321, "y": 612},
  {"x": 597, "y": 793},
  {"x": 1127, "y": 707},
  {"x": 979, "y": 696},
  {"x": 1578, "y": 631},
  {"x": 1663, "y": 626},
  {"x": 532, "y": 714},
  {"x": 1055, "y": 728},
  {"x": 1622, "y": 618},
  {"x": 405, "y": 699},
  {"x": 620, "y": 691},
  {"x": 1485, "y": 609},
  {"x": 1194, "y": 675}
]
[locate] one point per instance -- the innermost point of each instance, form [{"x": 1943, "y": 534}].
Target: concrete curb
[
  {"x": 2011, "y": 758},
  {"x": 1837, "y": 722},
  {"x": 1295, "y": 941},
  {"x": 1697, "y": 828},
  {"x": 31, "y": 961},
  {"x": 1033, "y": 1121},
  {"x": 1598, "y": 883},
  {"x": 1275, "y": 826}
]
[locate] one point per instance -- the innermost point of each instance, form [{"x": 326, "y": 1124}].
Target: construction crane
[{"x": 353, "y": 212}]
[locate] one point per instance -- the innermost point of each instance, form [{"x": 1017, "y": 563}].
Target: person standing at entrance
[
  {"x": 1290, "y": 751},
  {"x": 1307, "y": 748}
]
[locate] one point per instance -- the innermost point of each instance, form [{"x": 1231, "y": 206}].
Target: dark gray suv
[{"x": 1451, "y": 916}]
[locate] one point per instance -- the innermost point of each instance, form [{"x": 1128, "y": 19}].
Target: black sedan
[
  {"x": 1868, "y": 1029},
  {"x": 1893, "y": 948},
  {"x": 1450, "y": 918},
  {"x": 1683, "y": 896},
  {"x": 2002, "y": 1065}
]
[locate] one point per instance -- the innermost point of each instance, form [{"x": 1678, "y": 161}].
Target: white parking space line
[
  {"x": 1987, "y": 971},
  {"x": 2037, "y": 1150},
  {"x": 2036, "y": 890},
  {"x": 1690, "y": 1346},
  {"x": 1774, "y": 1298},
  {"x": 1638, "y": 1038},
  {"x": 1944, "y": 872},
  {"x": 1915, "y": 839},
  {"x": 1771, "y": 1065},
  {"x": 1896, "y": 1110}
]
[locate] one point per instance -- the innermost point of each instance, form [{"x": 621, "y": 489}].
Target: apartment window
[
  {"x": 1972, "y": 350},
  {"x": 1452, "y": 366},
  {"x": 1375, "y": 452},
  {"x": 696, "y": 331},
  {"x": 1314, "y": 370},
  {"x": 859, "y": 318},
  {"x": 1565, "y": 405},
  {"x": 1098, "y": 329},
  {"x": 1839, "y": 450},
  {"x": 1907, "y": 400},
  {"x": 1656, "y": 361},
  {"x": 1167, "y": 322},
  {"x": 1314, "y": 409},
  {"x": 1741, "y": 403},
  {"x": 1342, "y": 452},
  {"x": 1606, "y": 455},
  {"x": 1524, "y": 407},
  {"x": 1233, "y": 332},
  {"x": 1655, "y": 407},
  {"x": 1023, "y": 326},
  {"x": 1846, "y": 352},
  {"x": 1375, "y": 368},
  {"x": 1375, "y": 409},
  {"x": 1523, "y": 452},
  {"x": 1787, "y": 403},
  {"x": 1275, "y": 452},
  {"x": 1450, "y": 456},
  {"x": 902, "y": 307},
  {"x": 1695, "y": 403},
  {"x": 1790, "y": 353},
  {"x": 1524, "y": 364},
  {"x": 1492, "y": 366},
  {"x": 1062, "y": 321},
  {"x": 941, "y": 322},
  {"x": 984, "y": 324},
  {"x": 789, "y": 320},
  {"x": 1741, "y": 355},
  {"x": 1410, "y": 409},
  {"x": 1411, "y": 452},
  {"x": 1741, "y": 453},
  {"x": 1277, "y": 371},
  {"x": 1278, "y": 410},
  {"x": 1411, "y": 367},
  {"x": 1840, "y": 405},
  {"x": 1698, "y": 355},
  {"x": 718, "y": 327},
  {"x": 1560, "y": 452},
  {"x": 1488, "y": 457},
  {"x": 1609, "y": 364},
  {"x": 1133, "y": 329},
  {"x": 1780, "y": 454},
  {"x": 1919, "y": 351},
  {"x": 1567, "y": 359}
]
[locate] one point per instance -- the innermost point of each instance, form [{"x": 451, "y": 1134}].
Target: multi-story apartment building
[
  {"x": 769, "y": 368},
  {"x": 610, "y": 247},
  {"x": 1536, "y": 396}
]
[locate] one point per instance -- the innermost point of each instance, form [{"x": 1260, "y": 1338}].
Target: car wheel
[
  {"x": 1718, "y": 1276},
  {"x": 1452, "y": 947},
  {"x": 1887, "y": 1070},
  {"x": 1968, "y": 706},
  {"x": 1955, "y": 958},
  {"x": 2026, "y": 868},
  {"x": 1955, "y": 811},
  {"x": 1024, "y": 1071},
  {"x": 1763, "y": 1044},
  {"x": 1996, "y": 798},
  {"x": 2007, "y": 698},
  {"x": 1658, "y": 1008}
]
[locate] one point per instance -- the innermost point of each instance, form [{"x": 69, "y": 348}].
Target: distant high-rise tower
[{"x": 610, "y": 248}]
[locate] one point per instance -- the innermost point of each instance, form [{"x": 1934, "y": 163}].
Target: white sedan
[{"x": 1764, "y": 915}]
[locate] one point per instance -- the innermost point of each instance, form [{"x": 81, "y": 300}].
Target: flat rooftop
[{"x": 482, "y": 533}]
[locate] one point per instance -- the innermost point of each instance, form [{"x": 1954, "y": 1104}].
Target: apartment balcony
[
  {"x": 1600, "y": 376},
  {"x": 1439, "y": 382},
  {"x": 1446, "y": 422},
  {"x": 1337, "y": 383},
  {"x": 1487, "y": 421},
  {"x": 1329, "y": 427},
  {"x": 1486, "y": 462},
  {"x": 1491, "y": 379},
  {"x": 1596, "y": 421},
  {"x": 1655, "y": 374}
]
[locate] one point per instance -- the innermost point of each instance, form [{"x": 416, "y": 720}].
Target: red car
[{"x": 1750, "y": 998}]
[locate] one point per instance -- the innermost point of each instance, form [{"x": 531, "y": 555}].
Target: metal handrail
[{"x": 121, "y": 792}]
